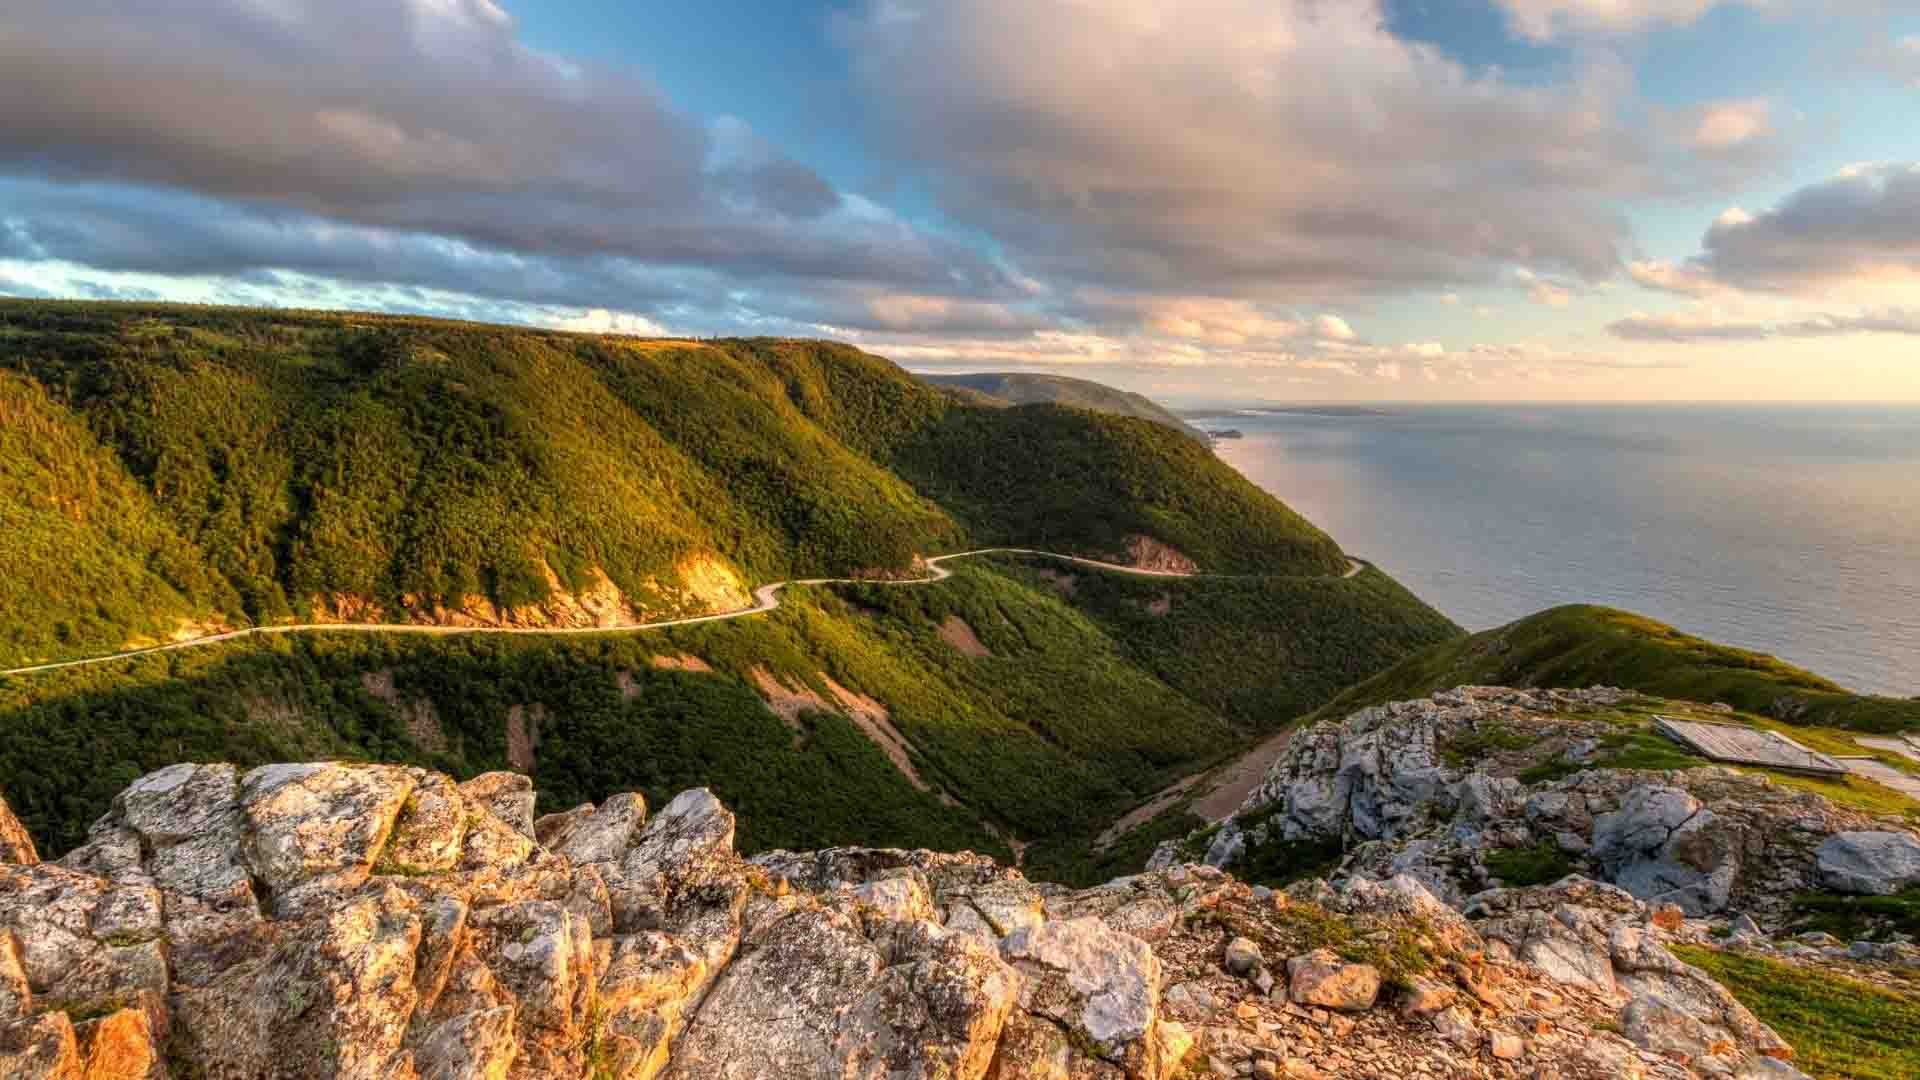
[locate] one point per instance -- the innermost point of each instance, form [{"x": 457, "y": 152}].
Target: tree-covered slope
[
  {"x": 1583, "y": 645},
  {"x": 1023, "y": 388},
  {"x": 85, "y": 559},
  {"x": 1024, "y": 715},
  {"x": 275, "y": 466}
]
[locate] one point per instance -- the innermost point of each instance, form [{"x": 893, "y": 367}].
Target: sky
[{"x": 1206, "y": 200}]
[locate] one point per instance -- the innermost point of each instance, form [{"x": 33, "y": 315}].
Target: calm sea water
[{"x": 1795, "y": 531}]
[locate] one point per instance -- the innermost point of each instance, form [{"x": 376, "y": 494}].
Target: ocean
[{"x": 1792, "y": 530}]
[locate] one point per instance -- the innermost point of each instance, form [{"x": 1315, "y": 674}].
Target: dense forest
[
  {"x": 170, "y": 468},
  {"x": 1071, "y": 709}
]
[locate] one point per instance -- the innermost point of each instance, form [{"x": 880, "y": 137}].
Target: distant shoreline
[{"x": 1285, "y": 410}]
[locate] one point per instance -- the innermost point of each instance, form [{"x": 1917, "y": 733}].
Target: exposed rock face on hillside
[
  {"x": 327, "y": 920},
  {"x": 702, "y": 585}
]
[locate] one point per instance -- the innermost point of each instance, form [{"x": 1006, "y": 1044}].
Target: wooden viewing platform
[{"x": 1738, "y": 745}]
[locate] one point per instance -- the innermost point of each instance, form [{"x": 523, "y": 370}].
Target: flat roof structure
[{"x": 1738, "y": 745}]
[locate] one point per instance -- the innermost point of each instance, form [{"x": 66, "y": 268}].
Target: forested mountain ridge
[
  {"x": 176, "y": 468},
  {"x": 1025, "y": 388}
]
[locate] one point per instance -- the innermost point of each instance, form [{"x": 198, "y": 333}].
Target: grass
[
  {"x": 1582, "y": 645},
  {"x": 1541, "y": 864},
  {"x": 1839, "y": 1027},
  {"x": 1853, "y": 917},
  {"x": 1482, "y": 742}
]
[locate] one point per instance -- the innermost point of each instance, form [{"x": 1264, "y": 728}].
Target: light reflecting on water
[{"x": 1792, "y": 530}]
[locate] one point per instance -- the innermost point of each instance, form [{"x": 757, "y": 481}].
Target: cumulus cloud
[
  {"x": 1254, "y": 148},
  {"x": 1694, "y": 328},
  {"x": 1855, "y": 233},
  {"x": 1861, "y": 226},
  {"x": 425, "y": 118}
]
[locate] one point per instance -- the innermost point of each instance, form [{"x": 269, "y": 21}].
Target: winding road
[{"x": 765, "y": 598}]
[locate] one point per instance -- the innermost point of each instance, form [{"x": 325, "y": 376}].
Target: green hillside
[
  {"x": 1023, "y": 388},
  {"x": 274, "y": 466},
  {"x": 120, "y": 570},
  {"x": 1583, "y": 645},
  {"x": 1040, "y": 723}
]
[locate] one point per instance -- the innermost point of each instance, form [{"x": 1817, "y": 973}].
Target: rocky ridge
[
  {"x": 314, "y": 920},
  {"x": 1439, "y": 787}
]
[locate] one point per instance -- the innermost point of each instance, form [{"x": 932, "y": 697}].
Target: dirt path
[
  {"x": 1221, "y": 791},
  {"x": 766, "y": 598}
]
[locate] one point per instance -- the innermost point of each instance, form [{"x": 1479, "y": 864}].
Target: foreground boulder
[{"x": 330, "y": 920}]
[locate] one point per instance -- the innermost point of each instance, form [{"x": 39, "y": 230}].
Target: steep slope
[
  {"x": 985, "y": 711},
  {"x": 364, "y": 468},
  {"x": 1579, "y": 646},
  {"x": 1021, "y": 388},
  {"x": 86, "y": 559}
]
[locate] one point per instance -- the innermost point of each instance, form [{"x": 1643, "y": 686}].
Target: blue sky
[{"x": 1277, "y": 199}]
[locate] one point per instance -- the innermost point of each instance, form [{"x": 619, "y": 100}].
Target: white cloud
[
  {"x": 1668, "y": 277},
  {"x": 1697, "y": 327},
  {"x": 1725, "y": 125},
  {"x": 1547, "y": 19},
  {"x": 1333, "y": 328}
]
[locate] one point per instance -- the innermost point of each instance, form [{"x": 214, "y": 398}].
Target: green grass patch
[
  {"x": 1279, "y": 863},
  {"x": 1853, "y": 917},
  {"x": 1483, "y": 741},
  {"x": 1839, "y": 1027},
  {"x": 1541, "y": 864},
  {"x": 1583, "y": 645}
]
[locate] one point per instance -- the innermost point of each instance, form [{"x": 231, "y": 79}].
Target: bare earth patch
[
  {"x": 681, "y": 662},
  {"x": 955, "y": 632},
  {"x": 1221, "y": 791},
  {"x": 1235, "y": 781},
  {"x": 876, "y": 720},
  {"x": 423, "y": 723},
  {"x": 523, "y": 735},
  {"x": 1145, "y": 812},
  {"x": 787, "y": 702}
]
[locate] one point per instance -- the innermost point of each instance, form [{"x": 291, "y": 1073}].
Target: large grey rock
[
  {"x": 1673, "y": 1006},
  {"x": 605, "y": 834},
  {"x": 507, "y": 796},
  {"x": 813, "y": 997},
  {"x": 1664, "y": 846},
  {"x": 1872, "y": 863},
  {"x": 316, "y": 829},
  {"x": 1093, "y": 980}
]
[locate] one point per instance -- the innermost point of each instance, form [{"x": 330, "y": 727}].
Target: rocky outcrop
[
  {"x": 1435, "y": 788},
  {"x": 331, "y": 920}
]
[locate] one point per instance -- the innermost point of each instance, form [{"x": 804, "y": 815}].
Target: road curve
[{"x": 765, "y": 598}]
